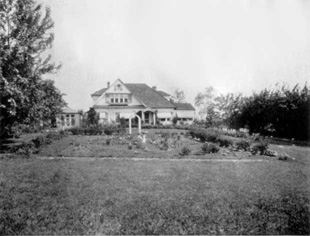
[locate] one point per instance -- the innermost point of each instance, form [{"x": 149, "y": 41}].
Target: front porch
[{"x": 147, "y": 116}]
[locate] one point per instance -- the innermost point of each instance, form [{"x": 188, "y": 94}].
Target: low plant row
[
  {"x": 33, "y": 146},
  {"x": 107, "y": 130},
  {"x": 214, "y": 138},
  {"x": 160, "y": 126}
]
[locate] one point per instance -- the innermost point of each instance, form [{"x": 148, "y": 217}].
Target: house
[
  {"x": 124, "y": 100},
  {"x": 68, "y": 118}
]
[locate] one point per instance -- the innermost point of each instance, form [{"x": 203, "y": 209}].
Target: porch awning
[
  {"x": 126, "y": 115},
  {"x": 164, "y": 115}
]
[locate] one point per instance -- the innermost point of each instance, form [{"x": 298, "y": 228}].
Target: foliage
[
  {"x": 281, "y": 112},
  {"x": 25, "y": 98},
  {"x": 260, "y": 148},
  {"x": 92, "y": 117},
  {"x": 224, "y": 142},
  {"x": 96, "y": 130},
  {"x": 185, "y": 151},
  {"x": 210, "y": 148},
  {"x": 179, "y": 96},
  {"x": 175, "y": 120},
  {"x": 243, "y": 145}
]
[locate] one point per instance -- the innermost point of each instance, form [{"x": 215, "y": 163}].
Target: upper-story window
[{"x": 118, "y": 98}]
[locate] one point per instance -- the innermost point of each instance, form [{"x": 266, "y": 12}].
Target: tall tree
[
  {"x": 179, "y": 96},
  {"x": 205, "y": 102},
  {"x": 25, "y": 37}
]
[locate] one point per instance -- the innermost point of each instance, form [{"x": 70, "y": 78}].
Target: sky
[{"x": 232, "y": 45}]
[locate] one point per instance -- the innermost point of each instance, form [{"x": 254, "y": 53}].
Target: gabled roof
[
  {"x": 162, "y": 93},
  {"x": 99, "y": 92},
  {"x": 149, "y": 96},
  {"x": 184, "y": 106}
]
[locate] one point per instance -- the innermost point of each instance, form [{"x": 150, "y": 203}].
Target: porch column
[
  {"x": 142, "y": 116},
  {"x": 130, "y": 125},
  {"x": 154, "y": 118}
]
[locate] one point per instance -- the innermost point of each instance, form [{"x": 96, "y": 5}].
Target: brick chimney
[
  {"x": 108, "y": 84},
  {"x": 154, "y": 88}
]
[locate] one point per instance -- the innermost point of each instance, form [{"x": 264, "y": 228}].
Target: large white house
[{"x": 120, "y": 100}]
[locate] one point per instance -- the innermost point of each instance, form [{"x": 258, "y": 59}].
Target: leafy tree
[
  {"x": 179, "y": 96},
  {"x": 281, "y": 112},
  {"x": 207, "y": 105},
  {"x": 92, "y": 117},
  {"x": 25, "y": 98}
]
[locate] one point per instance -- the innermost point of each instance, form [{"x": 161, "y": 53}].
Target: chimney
[
  {"x": 154, "y": 88},
  {"x": 108, "y": 84}
]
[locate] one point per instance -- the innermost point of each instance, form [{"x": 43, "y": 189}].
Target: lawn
[{"x": 155, "y": 196}]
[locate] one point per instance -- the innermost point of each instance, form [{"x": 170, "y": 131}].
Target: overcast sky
[{"x": 233, "y": 45}]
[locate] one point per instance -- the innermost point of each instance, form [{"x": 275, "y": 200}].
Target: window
[
  {"x": 118, "y": 98},
  {"x": 162, "y": 119}
]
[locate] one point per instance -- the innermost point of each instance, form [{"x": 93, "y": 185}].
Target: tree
[
  {"x": 92, "y": 117},
  {"x": 25, "y": 98},
  {"x": 206, "y": 104},
  {"x": 280, "y": 112},
  {"x": 179, "y": 96}
]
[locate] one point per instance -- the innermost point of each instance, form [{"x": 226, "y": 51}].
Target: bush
[
  {"x": 185, "y": 151},
  {"x": 243, "y": 145},
  {"x": 41, "y": 141},
  {"x": 270, "y": 153},
  {"x": 210, "y": 148},
  {"x": 224, "y": 142},
  {"x": 260, "y": 148},
  {"x": 165, "y": 135},
  {"x": 77, "y": 131},
  {"x": 24, "y": 149},
  {"x": 108, "y": 141}
]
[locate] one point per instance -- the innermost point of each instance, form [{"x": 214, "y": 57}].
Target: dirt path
[{"x": 151, "y": 159}]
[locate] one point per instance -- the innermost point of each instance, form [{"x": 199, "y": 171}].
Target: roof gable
[
  {"x": 141, "y": 92},
  {"x": 149, "y": 96}
]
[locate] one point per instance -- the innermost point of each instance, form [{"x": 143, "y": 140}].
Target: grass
[
  {"x": 102, "y": 196},
  {"x": 170, "y": 195}
]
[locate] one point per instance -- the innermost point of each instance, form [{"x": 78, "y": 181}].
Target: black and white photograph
[{"x": 154, "y": 117}]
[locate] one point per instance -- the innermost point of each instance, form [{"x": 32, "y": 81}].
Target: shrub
[
  {"x": 41, "y": 141},
  {"x": 270, "y": 153},
  {"x": 283, "y": 157},
  {"x": 24, "y": 149},
  {"x": 185, "y": 151},
  {"x": 210, "y": 148},
  {"x": 108, "y": 141},
  {"x": 260, "y": 148},
  {"x": 243, "y": 145},
  {"x": 54, "y": 136},
  {"x": 77, "y": 131},
  {"x": 165, "y": 135},
  {"x": 224, "y": 142}
]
